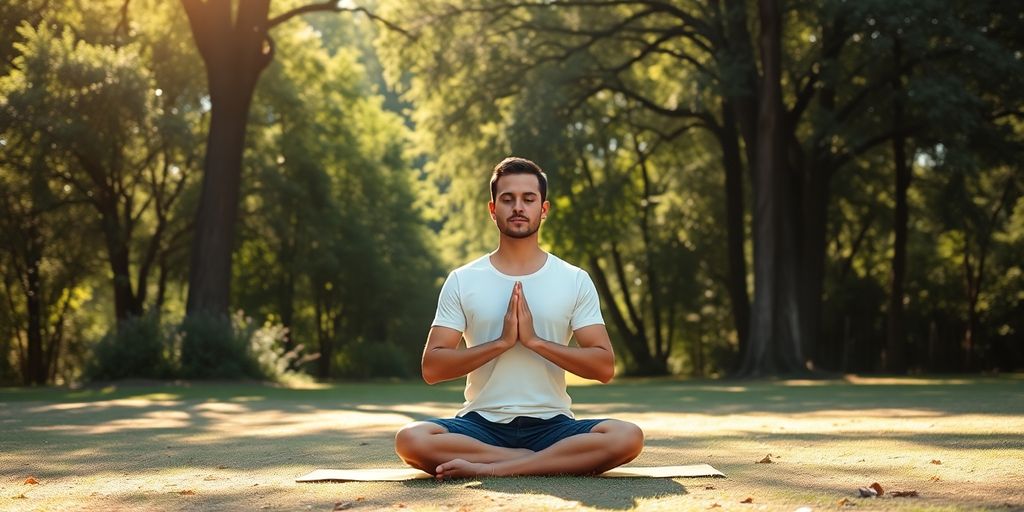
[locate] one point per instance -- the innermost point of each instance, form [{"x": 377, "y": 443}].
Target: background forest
[{"x": 271, "y": 189}]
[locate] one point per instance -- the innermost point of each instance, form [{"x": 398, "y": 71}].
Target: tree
[
  {"x": 235, "y": 44},
  {"x": 332, "y": 242},
  {"x": 117, "y": 154}
]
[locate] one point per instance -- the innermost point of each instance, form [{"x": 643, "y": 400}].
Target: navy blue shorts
[{"x": 522, "y": 432}]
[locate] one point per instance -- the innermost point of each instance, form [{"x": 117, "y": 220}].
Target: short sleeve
[
  {"x": 588, "y": 304},
  {"x": 449, "y": 306}
]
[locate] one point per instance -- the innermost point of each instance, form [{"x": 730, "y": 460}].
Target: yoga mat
[{"x": 401, "y": 474}]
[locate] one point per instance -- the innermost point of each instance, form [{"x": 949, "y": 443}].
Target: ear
[
  {"x": 544, "y": 207},
  {"x": 490, "y": 208}
]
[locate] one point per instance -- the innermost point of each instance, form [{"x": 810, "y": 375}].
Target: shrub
[
  {"x": 218, "y": 347},
  {"x": 139, "y": 347},
  {"x": 213, "y": 347}
]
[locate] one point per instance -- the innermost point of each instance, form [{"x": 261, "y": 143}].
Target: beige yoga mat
[{"x": 398, "y": 475}]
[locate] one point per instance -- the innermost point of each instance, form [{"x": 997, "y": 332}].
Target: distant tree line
[
  {"x": 765, "y": 187},
  {"x": 104, "y": 115},
  {"x": 756, "y": 187}
]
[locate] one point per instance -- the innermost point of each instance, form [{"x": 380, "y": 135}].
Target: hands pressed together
[{"x": 518, "y": 321}]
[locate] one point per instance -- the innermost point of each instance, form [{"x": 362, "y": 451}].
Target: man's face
[{"x": 517, "y": 209}]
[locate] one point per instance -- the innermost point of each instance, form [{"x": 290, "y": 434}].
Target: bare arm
[
  {"x": 592, "y": 359},
  {"x": 443, "y": 360}
]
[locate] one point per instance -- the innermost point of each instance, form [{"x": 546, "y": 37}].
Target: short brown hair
[{"x": 517, "y": 165}]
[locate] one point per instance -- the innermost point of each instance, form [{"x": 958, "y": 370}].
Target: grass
[{"x": 958, "y": 442}]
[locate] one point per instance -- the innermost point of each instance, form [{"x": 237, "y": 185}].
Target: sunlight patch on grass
[
  {"x": 107, "y": 404},
  {"x": 904, "y": 381},
  {"x": 153, "y": 420}
]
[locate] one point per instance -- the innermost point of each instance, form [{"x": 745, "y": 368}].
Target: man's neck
[{"x": 518, "y": 256}]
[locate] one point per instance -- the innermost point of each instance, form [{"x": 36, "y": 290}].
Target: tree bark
[
  {"x": 896, "y": 337},
  {"x": 775, "y": 338},
  {"x": 739, "y": 299},
  {"x": 235, "y": 53}
]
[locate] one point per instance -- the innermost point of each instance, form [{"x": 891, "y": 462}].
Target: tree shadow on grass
[{"x": 595, "y": 492}]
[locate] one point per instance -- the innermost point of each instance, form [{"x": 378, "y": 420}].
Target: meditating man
[{"x": 517, "y": 308}]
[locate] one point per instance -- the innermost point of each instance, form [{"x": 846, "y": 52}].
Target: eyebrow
[{"x": 503, "y": 194}]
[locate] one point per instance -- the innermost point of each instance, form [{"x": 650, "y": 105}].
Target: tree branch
[{"x": 334, "y": 6}]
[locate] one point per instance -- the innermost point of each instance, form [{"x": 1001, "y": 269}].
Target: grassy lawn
[{"x": 958, "y": 442}]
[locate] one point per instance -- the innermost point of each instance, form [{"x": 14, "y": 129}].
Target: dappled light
[{"x": 959, "y": 443}]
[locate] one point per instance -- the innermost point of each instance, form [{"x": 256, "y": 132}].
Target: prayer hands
[
  {"x": 527, "y": 336},
  {"x": 510, "y": 331},
  {"x": 518, "y": 321}
]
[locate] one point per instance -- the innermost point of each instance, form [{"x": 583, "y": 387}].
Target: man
[{"x": 517, "y": 308}]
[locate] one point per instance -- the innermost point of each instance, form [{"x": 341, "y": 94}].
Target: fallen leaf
[
  {"x": 709, "y": 487},
  {"x": 31, "y": 481},
  {"x": 223, "y": 467},
  {"x": 766, "y": 460},
  {"x": 343, "y": 505},
  {"x": 360, "y": 498},
  {"x": 935, "y": 479},
  {"x": 210, "y": 478},
  {"x": 750, "y": 499},
  {"x": 904, "y": 494},
  {"x": 714, "y": 505},
  {"x": 877, "y": 488},
  {"x": 845, "y": 502},
  {"x": 867, "y": 492},
  {"x": 19, "y": 497},
  {"x": 937, "y": 462},
  {"x": 187, "y": 492}
]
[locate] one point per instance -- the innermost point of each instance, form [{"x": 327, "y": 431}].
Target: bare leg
[
  {"x": 610, "y": 444},
  {"x": 425, "y": 445}
]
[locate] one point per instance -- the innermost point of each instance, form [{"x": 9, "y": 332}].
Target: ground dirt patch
[{"x": 957, "y": 442}]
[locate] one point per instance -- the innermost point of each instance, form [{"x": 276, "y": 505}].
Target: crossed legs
[{"x": 430, "y": 447}]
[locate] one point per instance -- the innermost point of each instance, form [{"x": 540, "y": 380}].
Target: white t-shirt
[{"x": 519, "y": 382}]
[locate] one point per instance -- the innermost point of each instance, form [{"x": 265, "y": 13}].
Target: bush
[
  {"x": 138, "y": 348},
  {"x": 218, "y": 347},
  {"x": 211, "y": 348},
  {"x": 202, "y": 347}
]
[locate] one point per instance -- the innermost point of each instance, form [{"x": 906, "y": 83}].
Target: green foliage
[
  {"x": 140, "y": 347},
  {"x": 366, "y": 171},
  {"x": 366, "y": 360},
  {"x": 213, "y": 347}
]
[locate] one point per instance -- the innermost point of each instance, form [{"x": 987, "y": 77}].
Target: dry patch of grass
[{"x": 957, "y": 442}]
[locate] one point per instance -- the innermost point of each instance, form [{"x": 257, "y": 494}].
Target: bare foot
[{"x": 459, "y": 468}]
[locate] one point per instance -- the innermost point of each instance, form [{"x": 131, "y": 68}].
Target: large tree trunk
[
  {"x": 739, "y": 299},
  {"x": 209, "y": 283},
  {"x": 235, "y": 52},
  {"x": 896, "y": 337},
  {"x": 739, "y": 119},
  {"x": 810, "y": 272},
  {"x": 775, "y": 337}
]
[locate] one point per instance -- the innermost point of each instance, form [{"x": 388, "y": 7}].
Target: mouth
[{"x": 518, "y": 219}]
